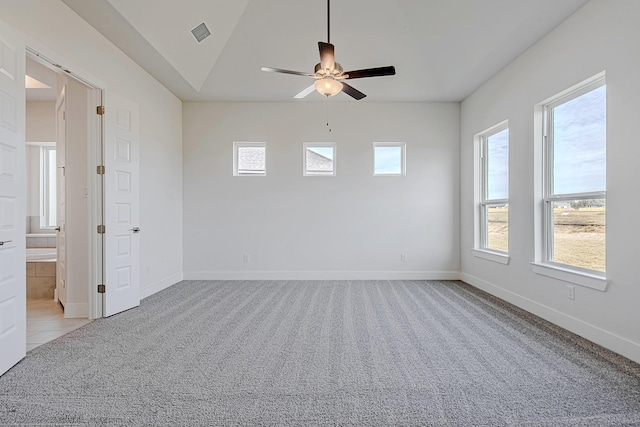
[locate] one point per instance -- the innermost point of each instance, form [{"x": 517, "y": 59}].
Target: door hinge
[
  {"x": 100, "y": 170},
  {"x": 101, "y": 289},
  {"x": 101, "y": 229},
  {"x": 100, "y": 110}
]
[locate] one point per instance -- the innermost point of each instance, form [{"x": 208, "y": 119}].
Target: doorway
[
  {"x": 113, "y": 197},
  {"x": 64, "y": 138}
]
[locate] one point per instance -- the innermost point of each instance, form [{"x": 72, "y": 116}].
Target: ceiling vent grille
[{"x": 201, "y": 32}]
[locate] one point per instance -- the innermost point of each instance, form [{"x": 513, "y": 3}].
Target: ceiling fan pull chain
[{"x": 328, "y": 115}]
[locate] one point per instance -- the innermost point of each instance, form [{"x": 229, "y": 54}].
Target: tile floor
[{"x": 46, "y": 322}]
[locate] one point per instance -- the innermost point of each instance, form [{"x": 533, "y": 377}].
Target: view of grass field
[
  {"x": 498, "y": 229},
  {"x": 579, "y": 235}
]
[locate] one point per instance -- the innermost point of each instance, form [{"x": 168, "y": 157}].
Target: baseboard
[
  {"x": 321, "y": 275},
  {"x": 76, "y": 310},
  {"x": 591, "y": 332},
  {"x": 160, "y": 285}
]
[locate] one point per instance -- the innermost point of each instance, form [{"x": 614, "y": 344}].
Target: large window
[
  {"x": 575, "y": 179},
  {"x": 494, "y": 189},
  {"x": 249, "y": 159}
]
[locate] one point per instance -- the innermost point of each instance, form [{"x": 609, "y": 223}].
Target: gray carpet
[{"x": 321, "y": 353}]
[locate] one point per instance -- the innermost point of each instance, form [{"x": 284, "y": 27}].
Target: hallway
[{"x": 46, "y": 322}]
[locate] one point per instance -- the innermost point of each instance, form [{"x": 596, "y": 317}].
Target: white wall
[
  {"x": 353, "y": 225},
  {"x": 50, "y": 25},
  {"x": 41, "y": 121},
  {"x": 601, "y": 36}
]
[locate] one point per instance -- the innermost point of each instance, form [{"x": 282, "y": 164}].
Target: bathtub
[
  {"x": 40, "y": 240},
  {"x": 41, "y": 254}
]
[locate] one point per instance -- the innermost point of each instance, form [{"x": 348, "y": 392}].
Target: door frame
[
  {"x": 95, "y": 158},
  {"x": 60, "y": 293}
]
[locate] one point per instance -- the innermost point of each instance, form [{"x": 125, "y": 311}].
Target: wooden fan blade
[
  {"x": 352, "y": 92},
  {"x": 327, "y": 56},
  {"x": 279, "y": 70},
  {"x": 305, "y": 92},
  {"x": 371, "y": 72}
]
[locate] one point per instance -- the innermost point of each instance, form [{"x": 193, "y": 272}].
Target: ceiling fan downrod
[{"x": 328, "y": 21}]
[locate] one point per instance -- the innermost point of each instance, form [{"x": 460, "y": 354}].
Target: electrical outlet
[
  {"x": 246, "y": 259},
  {"x": 571, "y": 292},
  {"x": 403, "y": 257}
]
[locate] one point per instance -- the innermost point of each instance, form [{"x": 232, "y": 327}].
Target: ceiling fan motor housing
[{"x": 337, "y": 69}]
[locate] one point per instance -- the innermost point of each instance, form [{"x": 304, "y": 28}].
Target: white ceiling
[{"x": 442, "y": 49}]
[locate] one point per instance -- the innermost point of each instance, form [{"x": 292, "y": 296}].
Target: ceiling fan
[{"x": 329, "y": 74}]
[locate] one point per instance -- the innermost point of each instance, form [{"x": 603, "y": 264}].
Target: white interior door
[
  {"x": 121, "y": 205},
  {"x": 13, "y": 299},
  {"x": 61, "y": 205}
]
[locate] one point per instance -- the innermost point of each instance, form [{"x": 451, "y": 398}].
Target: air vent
[{"x": 201, "y": 32}]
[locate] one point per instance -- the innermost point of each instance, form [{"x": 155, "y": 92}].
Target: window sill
[
  {"x": 498, "y": 257},
  {"x": 577, "y": 277}
]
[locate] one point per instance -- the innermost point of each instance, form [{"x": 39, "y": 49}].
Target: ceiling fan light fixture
[
  {"x": 329, "y": 74},
  {"x": 328, "y": 86}
]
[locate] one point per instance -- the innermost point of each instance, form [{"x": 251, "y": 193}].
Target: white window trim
[
  {"x": 237, "y": 145},
  {"x": 571, "y": 275},
  {"x": 489, "y": 255},
  {"x": 482, "y": 203},
  {"x": 306, "y": 145},
  {"x": 403, "y": 160},
  {"x": 543, "y": 264}
]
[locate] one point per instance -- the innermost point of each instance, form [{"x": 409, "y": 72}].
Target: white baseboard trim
[
  {"x": 591, "y": 332},
  {"x": 160, "y": 285},
  {"x": 321, "y": 275},
  {"x": 76, "y": 310}
]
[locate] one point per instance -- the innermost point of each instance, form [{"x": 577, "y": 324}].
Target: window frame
[
  {"x": 484, "y": 203},
  {"x": 549, "y": 197},
  {"x": 403, "y": 158},
  {"x": 307, "y": 145},
  {"x": 236, "y": 148}
]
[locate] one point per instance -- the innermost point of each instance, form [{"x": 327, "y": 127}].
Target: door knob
[
  {"x": 6, "y": 241},
  {"x": 135, "y": 229},
  {"x": 57, "y": 228}
]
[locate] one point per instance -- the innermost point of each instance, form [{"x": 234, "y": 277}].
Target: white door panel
[
  {"x": 122, "y": 205},
  {"x": 13, "y": 302}
]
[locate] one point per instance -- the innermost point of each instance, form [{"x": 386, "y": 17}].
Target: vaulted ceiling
[{"x": 442, "y": 49}]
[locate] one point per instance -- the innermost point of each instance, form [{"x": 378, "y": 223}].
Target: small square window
[
  {"x": 319, "y": 159},
  {"x": 249, "y": 158},
  {"x": 389, "y": 158}
]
